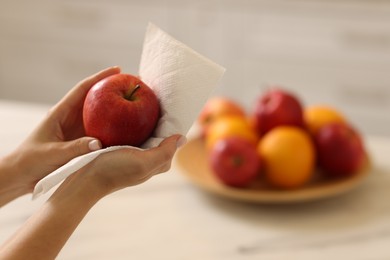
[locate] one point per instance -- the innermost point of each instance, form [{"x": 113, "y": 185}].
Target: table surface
[{"x": 169, "y": 218}]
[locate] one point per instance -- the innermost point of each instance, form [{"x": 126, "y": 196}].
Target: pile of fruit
[{"x": 280, "y": 142}]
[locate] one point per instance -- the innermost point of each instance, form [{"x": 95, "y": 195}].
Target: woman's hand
[
  {"x": 59, "y": 138},
  {"x": 46, "y": 232},
  {"x": 118, "y": 169}
]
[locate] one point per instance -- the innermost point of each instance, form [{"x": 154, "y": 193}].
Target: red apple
[
  {"x": 235, "y": 161},
  {"x": 277, "y": 107},
  {"x": 121, "y": 110},
  {"x": 215, "y": 108},
  {"x": 340, "y": 149}
]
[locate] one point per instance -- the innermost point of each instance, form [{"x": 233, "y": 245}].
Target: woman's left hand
[{"x": 57, "y": 139}]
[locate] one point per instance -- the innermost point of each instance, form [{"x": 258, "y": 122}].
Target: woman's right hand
[{"x": 123, "y": 168}]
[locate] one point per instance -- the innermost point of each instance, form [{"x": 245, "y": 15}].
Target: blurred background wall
[{"x": 335, "y": 52}]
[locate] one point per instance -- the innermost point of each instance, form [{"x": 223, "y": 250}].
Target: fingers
[
  {"x": 74, "y": 148},
  {"x": 162, "y": 155},
  {"x": 76, "y": 96},
  {"x": 92, "y": 80},
  {"x": 168, "y": 147},
  {"x": 128, "y": 167}
]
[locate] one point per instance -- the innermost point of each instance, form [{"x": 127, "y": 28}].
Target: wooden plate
[{"x": 192, "y": 162}]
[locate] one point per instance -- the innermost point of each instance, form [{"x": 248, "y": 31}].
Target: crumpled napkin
[{"x": 182, "y": 80}]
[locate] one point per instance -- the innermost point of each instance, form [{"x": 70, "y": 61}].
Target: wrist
[
  {"x": 78, "y": 187},
  {"x": 11, "y": 185}
]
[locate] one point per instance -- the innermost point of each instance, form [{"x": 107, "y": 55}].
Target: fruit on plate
[
  {"x": 275, "y": 108},
  {"x": 340, "y": 149},
  {"x": 235, "y": 161},
  {"x": 230, "y": 126},
  {"x": 215, "y": 108},
  {"x": 293, "y": 142},
  {"x": 317, "y": 116},
  {"x": 288, "y": 156},
  {"x": 121, "y": 110}
]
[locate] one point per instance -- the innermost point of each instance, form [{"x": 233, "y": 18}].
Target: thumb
[{"x": 81, "y": 146}]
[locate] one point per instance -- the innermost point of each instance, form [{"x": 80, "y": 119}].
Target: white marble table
[{"x": 168, "y": 218}]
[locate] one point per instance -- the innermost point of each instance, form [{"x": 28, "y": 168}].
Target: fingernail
[
  {"x": 181, "y": 141},
  {"x": 94, "y": 145}
]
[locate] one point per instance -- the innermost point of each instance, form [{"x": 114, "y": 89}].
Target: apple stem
[{"x": 130, "y": 96}]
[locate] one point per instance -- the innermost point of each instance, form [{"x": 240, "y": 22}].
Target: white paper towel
[
  {"x": 182, "y": 80},
  {"x": 180, "y": 77}
]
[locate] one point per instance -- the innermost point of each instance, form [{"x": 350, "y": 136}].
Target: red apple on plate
[
  {"x": 340, "y": 149},
  {"x": 235, "y": 161},
  {"x": 277, "y": 107},
  {"x": 121, "y": 110}
]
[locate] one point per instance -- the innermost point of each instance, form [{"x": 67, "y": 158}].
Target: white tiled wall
[{"x": 335, "y": 52}]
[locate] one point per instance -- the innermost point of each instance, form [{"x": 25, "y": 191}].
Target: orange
[
  {"x": 217, "y": 107},
  {"x": 319, "y": 115},
  {"x": 288, "y": 156},
  {"x": 230, "y": 126}
]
